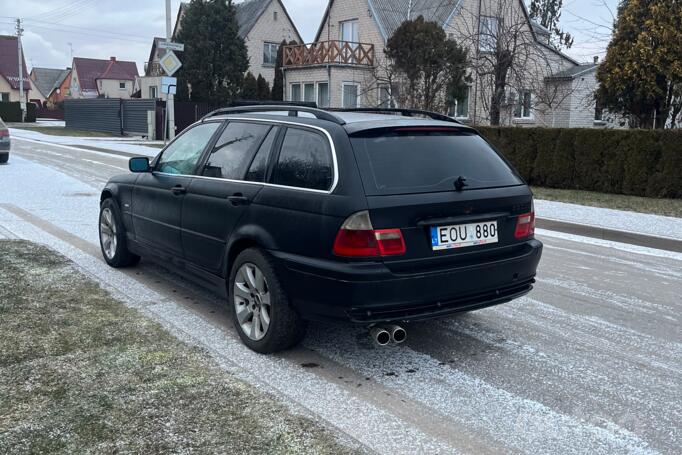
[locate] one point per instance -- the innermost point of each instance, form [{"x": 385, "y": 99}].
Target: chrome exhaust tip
[
  {"x": 380, "y": 336},
  {"x": 398, "y": 334}
]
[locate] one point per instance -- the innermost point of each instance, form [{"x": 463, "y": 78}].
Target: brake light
[
  {"x": 4, "y": 133},
  {"x": 358, "y": 238},
  {"x": 525, "y": 225}
]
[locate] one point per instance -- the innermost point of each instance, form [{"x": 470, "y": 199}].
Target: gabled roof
[
  {"x": 248, "y": 14},
  {"x": 45, "y": 79},
  {"x": 89, "y": 70},
  {"x": 9, "y": 63},
  {"x": 391, "y": 13},
  {"x": 574, "y": 72}
]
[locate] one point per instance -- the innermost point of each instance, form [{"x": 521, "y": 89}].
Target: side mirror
[{"x": 139, "y": 164}]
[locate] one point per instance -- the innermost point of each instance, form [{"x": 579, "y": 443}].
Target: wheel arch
[{"x": 249, "y": 236}]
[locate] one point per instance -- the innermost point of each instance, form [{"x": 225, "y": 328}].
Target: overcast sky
[{"x": 125, "y": 28}]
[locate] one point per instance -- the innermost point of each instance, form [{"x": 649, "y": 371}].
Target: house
[
  {"x": 346, "y": 67},
  {"x": 149, "y": 85},
  {"x": 94, "y": 78},
  {"x": 48, "y": 82},
  {"x": 263, "y": 24},
  {"x": 9, "y": 71}
]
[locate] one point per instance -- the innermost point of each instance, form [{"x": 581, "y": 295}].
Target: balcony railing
[{"x": 329, "y": 52}]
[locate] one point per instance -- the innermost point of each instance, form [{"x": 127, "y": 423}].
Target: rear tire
[
  {"x": 4, "y": 157},
  {"x": 262, "y": 314},
  {"x": 112, "y": 236}
]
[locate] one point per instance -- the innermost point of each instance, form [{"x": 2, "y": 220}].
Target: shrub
[
  {"x": 11, "y": 111},
  {"x": 633, "y": 162}
]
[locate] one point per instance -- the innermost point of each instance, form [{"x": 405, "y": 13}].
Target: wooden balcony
[{"x": 329, "y": 53}]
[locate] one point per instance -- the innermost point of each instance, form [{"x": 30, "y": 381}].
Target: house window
[
  {"x": 488, "y": 30},
  {"x": 384, "y": 97},
  {"x": 350, "y": 31},
  {"x": 122, "y": 85},
  {"x": 309, "y": 93},
  {"x": 270, "y": 53},
  {"x": 152, "y": 92},
  {"x": 274, "y": 15},
  {"x": 322, "y": 94},
  {"x": 295, "y": 92},
  {"x": 4, "y": 97},
  {"x": 351, "y": 94},
  {"x": 461, "y": 107},
  {"x": 524, "y": 105}
]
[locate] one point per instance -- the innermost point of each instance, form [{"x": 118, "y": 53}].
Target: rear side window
[
  {"x": 234, "y": 149},
  {"x": 420, "y": 161},
  {"x": 305, "y": 161}
]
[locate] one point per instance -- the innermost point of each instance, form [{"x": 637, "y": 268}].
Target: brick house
[
  {"x": 263, "y": 24},
  {"x": 343, "y": 66},
  {"x": 94, "y": 78},
  {"x": 48, "y": 82}
]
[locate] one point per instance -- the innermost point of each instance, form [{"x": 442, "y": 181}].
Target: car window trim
[
  {"x": 269, "y": 157},
  {"x": 278, "y": 152},
  {"x": 209, "y": 146},
  {"x": 335, "y": 180},
  {"x": 209, "y": 151}
]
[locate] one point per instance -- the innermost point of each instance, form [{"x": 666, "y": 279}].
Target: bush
[
  {"x": 11, "y": 111},
  {"x": 633, "y": 162}
]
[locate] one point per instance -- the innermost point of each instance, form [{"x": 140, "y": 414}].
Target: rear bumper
[{"x": 370, "y": 292}]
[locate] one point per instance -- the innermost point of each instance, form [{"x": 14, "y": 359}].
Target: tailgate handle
[{"x": 461, "y": 219}]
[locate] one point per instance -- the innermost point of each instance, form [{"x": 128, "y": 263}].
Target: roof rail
[
  {"x": 291, "y": 108},
  {"x": 404, "y": 112}
]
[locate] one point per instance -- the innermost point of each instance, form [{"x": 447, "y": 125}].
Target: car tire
[
  {"x": 285, "y": 328},
  {"x": 4, "y": 157},
  {"x": 112, "y": 236}
]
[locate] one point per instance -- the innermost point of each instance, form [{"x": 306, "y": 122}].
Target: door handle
[
  {"x": 238, "y": 199},
  {"x": 178, "y": 190}
]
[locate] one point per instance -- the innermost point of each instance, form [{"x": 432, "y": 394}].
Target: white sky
[{"x": 125, "y": 28}]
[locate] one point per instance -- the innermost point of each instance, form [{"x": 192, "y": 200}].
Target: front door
[
  {"x": 215, "y": 204},
  {"x": 158, "y": 196}
]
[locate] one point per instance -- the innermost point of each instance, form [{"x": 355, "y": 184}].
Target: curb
[{"x": 614, "y": 235}]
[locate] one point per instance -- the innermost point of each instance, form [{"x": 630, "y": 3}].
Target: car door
[
  {"x": 227, "y": 185},
  {"x": 158, "y": 196}
]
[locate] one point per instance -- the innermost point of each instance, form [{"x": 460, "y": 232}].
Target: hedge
[
  {"x": 633, "y": 162},
  {"x": 11, "y": 111}
]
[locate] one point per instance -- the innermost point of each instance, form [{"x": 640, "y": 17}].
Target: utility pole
[
  {"x": 22, "y": 96},
  {"x": 170, "y": 102}
]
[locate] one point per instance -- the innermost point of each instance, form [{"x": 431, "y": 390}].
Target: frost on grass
[{"x": 81, "y": 373}]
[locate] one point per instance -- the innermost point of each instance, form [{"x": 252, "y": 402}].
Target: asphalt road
[{"x": 589, "y": 362}]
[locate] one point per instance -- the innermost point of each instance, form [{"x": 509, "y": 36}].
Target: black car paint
[{"x": 197, "y": 232}]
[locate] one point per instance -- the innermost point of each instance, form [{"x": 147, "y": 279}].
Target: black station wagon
[{"x": 376, "y": 217}]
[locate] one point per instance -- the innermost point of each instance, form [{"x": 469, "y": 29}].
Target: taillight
[
  {"x": 4, "y": 133},
  {"x": 525, "y": 225},
  {"x": 357, "y": 238}
]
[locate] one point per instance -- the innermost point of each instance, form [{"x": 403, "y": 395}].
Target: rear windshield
[{"x": 407, "y": 161}]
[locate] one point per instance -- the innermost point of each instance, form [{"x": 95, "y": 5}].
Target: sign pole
[
  {"x": 22, "y": 95},
  {"x": 170, "y": 102}
]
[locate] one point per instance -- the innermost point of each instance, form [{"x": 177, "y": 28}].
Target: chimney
[
  {"x": 596, "y": 59},
  {"x": 113, "y": 59}
]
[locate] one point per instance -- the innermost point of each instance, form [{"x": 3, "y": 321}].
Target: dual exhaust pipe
[{"x": 386, "y": 334}]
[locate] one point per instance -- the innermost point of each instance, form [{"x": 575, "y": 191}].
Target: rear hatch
[{"x": 454, "y": 198}]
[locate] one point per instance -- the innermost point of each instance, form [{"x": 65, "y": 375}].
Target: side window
[
  {"x": 305, "y": 161},
  {"x": 259, "y": 166},
  {"x": 182, "y": 155},
  {"x": 234, "y": 149}
]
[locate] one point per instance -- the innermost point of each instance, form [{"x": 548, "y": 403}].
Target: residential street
[{"x": 589, "y": 362}]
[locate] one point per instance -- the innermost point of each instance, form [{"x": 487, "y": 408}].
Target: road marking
[{"x": 113, "y": 153}]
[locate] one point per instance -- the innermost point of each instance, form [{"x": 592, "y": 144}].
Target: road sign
[
  {"x": 170, "y": 63},
  {"x": 168, "y": 85},
  {"x": 179, "y": 47}
]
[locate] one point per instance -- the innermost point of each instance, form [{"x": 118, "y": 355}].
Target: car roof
[{"x": 354, "y": 121}]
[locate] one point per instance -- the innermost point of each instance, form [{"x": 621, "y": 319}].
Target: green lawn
[
  {"x": 82, "y": 373},
  {"x": 61, "y": 131},
  {"x": 667, "y": 207}
]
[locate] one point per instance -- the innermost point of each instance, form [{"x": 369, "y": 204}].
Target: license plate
[{"x": 462, "y": 235}]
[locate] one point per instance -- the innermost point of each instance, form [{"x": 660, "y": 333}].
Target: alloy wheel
[
  {"x": 251, "y": 298},
  {"x": 107, "y": 233}
]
